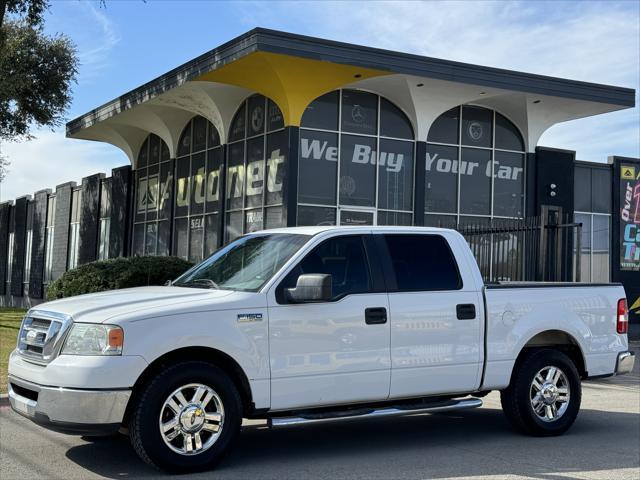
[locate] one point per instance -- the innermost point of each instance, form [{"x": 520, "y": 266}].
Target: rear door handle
[
  {"x": 466, "y": 311},
  {"x": 375, "y": 316}
]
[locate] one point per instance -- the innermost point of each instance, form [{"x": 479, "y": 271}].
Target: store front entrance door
[{"x": 359, "y": 216}]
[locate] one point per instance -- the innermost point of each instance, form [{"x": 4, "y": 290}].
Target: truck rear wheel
[
  {"x": 186, "y": 418},
  {"x": 544, "y": 396}
]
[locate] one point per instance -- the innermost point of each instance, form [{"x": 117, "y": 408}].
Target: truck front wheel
[
  {"x": 544, "y": 396},
  {"x": 186, "y": 418}
]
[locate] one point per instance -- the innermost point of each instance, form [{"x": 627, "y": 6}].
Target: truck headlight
[{"x": 92, "y": 339}]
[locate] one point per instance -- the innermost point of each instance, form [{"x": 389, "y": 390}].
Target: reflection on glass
[{"x": 246, "y": 264}]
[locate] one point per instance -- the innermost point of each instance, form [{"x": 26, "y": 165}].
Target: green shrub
[{"x": 117, "y": 273}]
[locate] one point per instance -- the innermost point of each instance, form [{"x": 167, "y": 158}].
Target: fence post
[{"x": 579, "y": 252}]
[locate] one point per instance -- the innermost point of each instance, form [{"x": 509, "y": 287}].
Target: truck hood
[{"x": 103, "y": 306}]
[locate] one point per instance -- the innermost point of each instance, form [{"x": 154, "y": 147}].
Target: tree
[{"x": 36, "y": 70}]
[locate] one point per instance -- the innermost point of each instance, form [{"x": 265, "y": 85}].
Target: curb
[{"x": 4, "y": 400}]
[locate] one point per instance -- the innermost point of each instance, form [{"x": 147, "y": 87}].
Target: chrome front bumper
[
  {"x": 69, "y": 410},
  {"x": 625, "y": 363}
]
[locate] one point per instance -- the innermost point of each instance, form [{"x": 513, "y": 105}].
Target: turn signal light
[
  {"x": 116, "y": 338},
  {"x": 622, "y": 323}
]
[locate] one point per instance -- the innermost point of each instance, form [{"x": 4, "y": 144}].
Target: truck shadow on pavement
[{"x": 475, "y": 442}]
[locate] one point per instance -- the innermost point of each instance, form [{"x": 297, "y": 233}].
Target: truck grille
[{"x": 41, "y": 335}]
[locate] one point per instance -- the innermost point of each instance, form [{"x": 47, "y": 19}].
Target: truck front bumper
[
  {"x": 625, "y": 363},
  {"x": 69, "y": 410}
]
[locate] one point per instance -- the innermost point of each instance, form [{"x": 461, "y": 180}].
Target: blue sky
[{"x": 131, "y": 42}]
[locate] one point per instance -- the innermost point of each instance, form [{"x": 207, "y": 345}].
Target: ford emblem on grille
[{"x": 32, "y": 335}]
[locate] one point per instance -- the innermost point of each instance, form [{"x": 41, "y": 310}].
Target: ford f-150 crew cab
[{"x": 313, "y": 324}]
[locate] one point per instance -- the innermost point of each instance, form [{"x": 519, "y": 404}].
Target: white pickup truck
[{"x": 313, "y": 324}]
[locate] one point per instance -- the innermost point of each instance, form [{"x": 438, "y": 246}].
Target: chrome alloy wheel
[
  {"x": 189, "y": 427},
  {"x": 550, "y": 394}
]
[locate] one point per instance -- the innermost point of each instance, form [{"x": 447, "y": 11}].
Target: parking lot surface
[{"x": 604, "y": 443}]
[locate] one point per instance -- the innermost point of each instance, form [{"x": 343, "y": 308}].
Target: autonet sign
[{"x": 629, "y": 217}]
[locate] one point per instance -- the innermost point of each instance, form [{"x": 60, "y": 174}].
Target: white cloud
[
  {"x": 51, "y": 159},
  {"x": 590, "y": 41}
]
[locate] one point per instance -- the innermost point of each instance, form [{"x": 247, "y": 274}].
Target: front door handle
[
  {"x": 375, "y": 316},
  {"x": 466, "y": 311}
]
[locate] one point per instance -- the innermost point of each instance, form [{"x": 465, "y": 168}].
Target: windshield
[{"x": 245, "y": 264}]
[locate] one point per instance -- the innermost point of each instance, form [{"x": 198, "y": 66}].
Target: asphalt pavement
[{"x": 604, "y": 443}]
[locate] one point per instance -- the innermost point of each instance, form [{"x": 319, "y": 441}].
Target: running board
[{"x": 357, "y": 414}]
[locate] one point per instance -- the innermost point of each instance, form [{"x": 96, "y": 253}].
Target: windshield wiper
[{"x": 199, "y": 283}]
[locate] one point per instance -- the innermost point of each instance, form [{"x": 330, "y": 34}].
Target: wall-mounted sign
[{"x": 629, "y": 217}]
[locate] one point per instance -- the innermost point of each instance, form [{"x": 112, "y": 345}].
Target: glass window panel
[
  {"x": 256, "y": 115},
  {"x": 105, "y": 198},
  {"x": 255, "y": 172},
  {"x": 166, "y": 187},
  {"x": 441, "y": 184},
  {"x": 214, "y": 160},
  {"x": 213, "y": 136},
  {"x": 141, "y": 195},
  {"x": 586, "y": 230},
  {"x": 507, "y": 135},
  {"x": 422, "y": 263},
  {"x": 154, "y": 149},
  {"x": 445, "y": 127},
  {"x": 274, "y": 218},
  {"x": 164, "y": 233},
  {"x": 508, "y": 190},
  {"x": 153, "y": 190},
  {"x": 359, "y": 112},
  {"x": 582, "y": 189},
  {"x": 164, "y": 152},
  {"x": 253, "y": 220},
  {"x": 235, "y": 176},
  {"x": 276, "y": 149},
  {"x": 143, "y": 156},
  {"x": 474, "y": 221},
  {"x": 196, "y": 238},
  {"x": 183, "y": 190},
  {"x": 343, "y": 258},
  {"x": 477, "y": 128},
  {"x": 318, "y": 167},
  {"x": 199, "y": 134},
  {"x": 180, "y": 238},
  {"x": 197, "y": 183},
  {"x": 393, "y": 121},
  {"x": 150, "y": 238},
  {"x": 394, "y": 218},
  {"x": 211, "y": 226},
  {"x": 355, "y": 217},
  {"x": 138, "y": 239},
  {"x": 357, "y": 171},
  {"x": 600, "y": 233},
  {"x": 312, "y": 216},
  {"x": 475, "y": 181},
  {"x": 322, "y": 112},
  {"x": 275, "y": 120},
  {"x": 236, "y": 132},
  {"x": 395, "y": 175},
  {"x": 601, "y": 190},
  {"x": 234, "y": 226},
  {"x": 441, "y": 221},
  {"x": 184, "y": 146}
]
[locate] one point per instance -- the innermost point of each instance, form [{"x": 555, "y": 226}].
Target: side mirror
[
  {"x": 167, "y": 283},
  {"x": 311, "y": 287}
]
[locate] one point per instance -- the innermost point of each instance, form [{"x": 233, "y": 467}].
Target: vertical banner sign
[{"x": 629, "y": 218}]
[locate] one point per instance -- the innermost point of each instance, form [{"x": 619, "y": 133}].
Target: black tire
[
  {"x": 144, "y": 428},
  {"x": 516, "y": 399}
]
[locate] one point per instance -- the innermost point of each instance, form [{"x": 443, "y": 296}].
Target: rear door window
[{"x": 422, "y": 263}]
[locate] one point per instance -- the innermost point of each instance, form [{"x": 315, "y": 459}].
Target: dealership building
[{"x": 273, "y": 129}]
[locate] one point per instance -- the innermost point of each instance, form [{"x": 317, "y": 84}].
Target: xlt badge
[{"x": 249, "y": 317}]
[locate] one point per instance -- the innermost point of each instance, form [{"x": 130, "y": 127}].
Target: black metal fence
[{"x": 532, "y": 249}]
